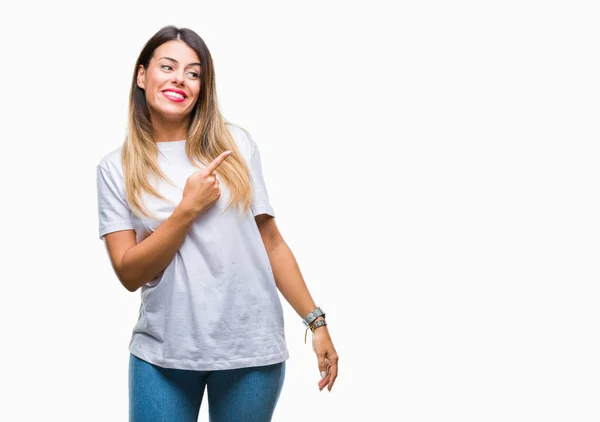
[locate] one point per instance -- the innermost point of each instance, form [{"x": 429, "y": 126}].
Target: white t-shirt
[{"x": 216, "y": 305}]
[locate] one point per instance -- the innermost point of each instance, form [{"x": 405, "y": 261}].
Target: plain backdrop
[{"x": 433, "y": 166}]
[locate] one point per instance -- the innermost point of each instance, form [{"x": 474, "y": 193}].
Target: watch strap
[{"x": 313, "y": 315}]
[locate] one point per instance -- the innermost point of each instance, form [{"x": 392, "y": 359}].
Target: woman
[{"x": 210, "y": 315}]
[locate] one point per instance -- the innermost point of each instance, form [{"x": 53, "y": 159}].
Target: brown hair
[{"x": 207, "y": 134}]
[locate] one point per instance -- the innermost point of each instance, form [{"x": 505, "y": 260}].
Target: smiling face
[{"x": 171, "y": 81}]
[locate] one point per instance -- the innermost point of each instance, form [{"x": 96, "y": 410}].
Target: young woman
[{"x": 186, "y": 217}]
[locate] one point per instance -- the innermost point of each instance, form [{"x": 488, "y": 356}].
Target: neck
[{"x": 168, "y": 130}]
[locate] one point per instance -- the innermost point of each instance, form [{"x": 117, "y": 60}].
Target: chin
[{"x": 169, "y": 113}]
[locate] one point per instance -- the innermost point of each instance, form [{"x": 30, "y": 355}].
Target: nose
[{"x": 178, "y": 78}]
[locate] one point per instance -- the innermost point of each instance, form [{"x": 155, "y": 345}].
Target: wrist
[
  {"x": 314, "y": 320},
  {"x": 313, "y": 326},
  {"x": 318, "y": 327},
  {"x": 187, "y": 212},
  {"x": 313, "y": 315}
]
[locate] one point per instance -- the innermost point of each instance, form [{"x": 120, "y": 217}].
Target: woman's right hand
[{"x": 201, "y": 189}]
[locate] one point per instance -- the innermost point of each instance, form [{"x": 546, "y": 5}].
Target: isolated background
[{"x": 432, "y": 165}]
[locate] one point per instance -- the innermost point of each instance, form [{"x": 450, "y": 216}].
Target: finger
[
  {"x": 334, "y": 370},
  {"x": 324, "y": 381},
  {"x": 322, "y": 365},
  {"x": 216, "y": 162}
]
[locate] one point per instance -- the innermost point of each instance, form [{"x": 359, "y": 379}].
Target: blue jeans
[{"x": 158, "y": 394}]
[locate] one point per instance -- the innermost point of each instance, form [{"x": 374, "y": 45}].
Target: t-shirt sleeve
[
  {"x": 113, "y": 212},
  {"x": 260, "y": 198}
]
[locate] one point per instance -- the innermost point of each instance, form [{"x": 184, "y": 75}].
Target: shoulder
[
  {"x": 242, "y": 138},
  {"x": 111, "y": 162}
]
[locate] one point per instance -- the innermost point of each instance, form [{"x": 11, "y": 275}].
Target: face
[{"x": 172, "y": 80}]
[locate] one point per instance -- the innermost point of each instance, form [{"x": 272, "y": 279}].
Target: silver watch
[{"x": 313, "y": 315}]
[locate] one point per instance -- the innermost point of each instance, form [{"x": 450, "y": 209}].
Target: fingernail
[{"x": 323, "y": 373}]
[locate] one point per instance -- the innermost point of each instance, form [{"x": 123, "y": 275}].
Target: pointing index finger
[{"x": 216, "y": 162}]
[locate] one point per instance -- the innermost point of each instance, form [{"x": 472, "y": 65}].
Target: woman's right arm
[{"x": 137, "y": 264}]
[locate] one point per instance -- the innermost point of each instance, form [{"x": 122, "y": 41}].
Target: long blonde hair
[{"x": 207, "y": 134}]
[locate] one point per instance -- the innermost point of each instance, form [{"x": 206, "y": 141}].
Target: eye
[
  {"x": 166, "y": 65},
  {"x": 194, "y": 75}
]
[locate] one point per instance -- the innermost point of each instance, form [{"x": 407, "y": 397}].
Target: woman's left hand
[{"x": 326, "y": 355}]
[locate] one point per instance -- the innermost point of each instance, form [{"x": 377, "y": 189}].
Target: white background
[{"x": 433, "y": 166}]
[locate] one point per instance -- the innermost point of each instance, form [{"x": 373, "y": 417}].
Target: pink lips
[{"x": 177, "y": 100}]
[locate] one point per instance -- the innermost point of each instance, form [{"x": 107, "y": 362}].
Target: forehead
[{"x": 177, "y": 50}]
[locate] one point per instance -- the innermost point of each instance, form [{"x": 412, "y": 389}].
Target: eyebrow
[{"x": 173, "y": 60}]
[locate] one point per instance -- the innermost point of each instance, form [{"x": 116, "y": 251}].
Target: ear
[{"x": 140, "y": 77}]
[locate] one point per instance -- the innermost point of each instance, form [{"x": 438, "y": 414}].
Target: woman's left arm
[{"x": 292, "y": 286}]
